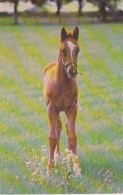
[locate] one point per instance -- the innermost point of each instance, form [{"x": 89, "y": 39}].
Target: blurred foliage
[{"x": 101, "y": 4}]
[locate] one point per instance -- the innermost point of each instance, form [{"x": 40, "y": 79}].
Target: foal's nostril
[{"x": 73, "y": 72}]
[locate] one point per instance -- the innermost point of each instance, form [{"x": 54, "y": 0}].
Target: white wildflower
[
  {"x": 35, "y": 172},
  {"x": 28, "y": 163}
]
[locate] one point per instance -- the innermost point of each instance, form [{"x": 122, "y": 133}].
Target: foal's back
[{"x": 49, "y": 68}]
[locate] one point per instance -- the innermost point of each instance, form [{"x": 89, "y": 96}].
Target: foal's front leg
[
  {"x": 52, "y": 116},
  {"x": 57, "y": 151},
  {"x": 71, "y": 113}
]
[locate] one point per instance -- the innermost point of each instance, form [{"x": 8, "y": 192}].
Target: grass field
[{"x": 24, "y": 51}]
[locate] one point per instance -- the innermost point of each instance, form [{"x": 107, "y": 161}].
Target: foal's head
[{"x": 69, "y": 49}]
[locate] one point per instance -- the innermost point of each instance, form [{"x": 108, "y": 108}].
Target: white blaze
[{"x": 71, "y": 47}]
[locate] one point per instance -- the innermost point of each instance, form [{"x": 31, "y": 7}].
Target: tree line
[{"x": 101, "y": 4}]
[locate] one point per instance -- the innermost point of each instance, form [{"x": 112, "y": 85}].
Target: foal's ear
[
  {"x": 63, "y": 34},
  {"x": 76, "y": 33}
]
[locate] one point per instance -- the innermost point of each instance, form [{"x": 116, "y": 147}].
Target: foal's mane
[{"x": 69, "y": 34}]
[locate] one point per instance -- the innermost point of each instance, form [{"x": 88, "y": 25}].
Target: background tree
[
  {"x": 59, "y": 5},
  {"x": 80, "y": 2},
  {"x": 38, "y": 2},
  {"x": 15, "y": 9},
  {"x": 102, "y": 5}
]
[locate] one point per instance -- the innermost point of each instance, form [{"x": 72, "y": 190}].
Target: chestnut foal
[{"x": 61, "y": 94}]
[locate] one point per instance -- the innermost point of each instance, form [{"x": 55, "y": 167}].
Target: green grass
[{"x": 24, "y": 51}]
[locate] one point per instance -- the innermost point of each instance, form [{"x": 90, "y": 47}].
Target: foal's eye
[{"x": 64, "y": 52}]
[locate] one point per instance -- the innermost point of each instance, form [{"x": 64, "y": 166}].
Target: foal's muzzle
[{"x": 71, "y": 69}]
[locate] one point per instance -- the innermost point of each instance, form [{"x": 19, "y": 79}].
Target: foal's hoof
[
  {"x": 76, "y": 166},
  {"x": 50, "y": 166},
  {"x": 75, "y": 162},
  {"x": 56, "y": 158}
]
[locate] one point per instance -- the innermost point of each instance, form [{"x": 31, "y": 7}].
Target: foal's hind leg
[{"x": 59, "y": 128}]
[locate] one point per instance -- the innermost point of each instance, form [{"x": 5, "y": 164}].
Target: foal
[{"x": 61, "y": 94}]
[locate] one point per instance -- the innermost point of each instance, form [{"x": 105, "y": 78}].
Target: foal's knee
[{"x": 72, "y": 139}]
